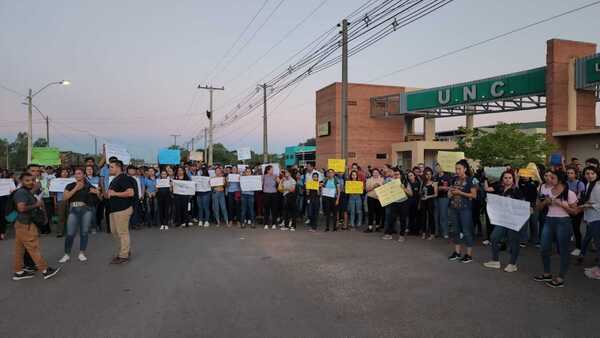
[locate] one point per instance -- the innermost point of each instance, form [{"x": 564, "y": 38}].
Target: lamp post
[{"x": 30, "y": 114}]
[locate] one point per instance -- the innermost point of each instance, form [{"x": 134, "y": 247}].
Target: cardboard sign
[
  {"x": 117, "y": 151},
  {"x": 391, "y": 192},
  {"x": 181, "y": 187},
  {"x": 233, "y": 177},
  {"x": 251, "y": 183},
  {"x": 355, "y": 187},
  {"x": 242, "y": 167},
  {"x": 243, "y": 153},
  {"x": 217, "y": 181},
  {"x": 202, "y": 183},
  {"x": 312, "y": 185},
  {"x": 339, "y": 166},
  {"x": 7, "y": 185},
  {"x": 275, "y": 166},
  {"x": 448, "y": 159},
  {"x": 59, "y": 184},
  {"x": 494, "y": 173},
  {"x": 163, "y": 183},
  {"x": 169, "y": 156},
  {"x": 197, "y": 156},
  {"x": 507, "y": 212},
  {"x": 45, "y": 156}
]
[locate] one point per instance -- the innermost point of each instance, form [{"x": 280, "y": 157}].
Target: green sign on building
[
  {"x": 592, "y": 69},
  {"x": 525, "y": 83}
]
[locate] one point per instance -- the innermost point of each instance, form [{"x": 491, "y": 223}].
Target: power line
[{"x": 12, "y": 90}]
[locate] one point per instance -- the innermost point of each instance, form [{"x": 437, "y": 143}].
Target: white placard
[
  {"x": 243, "y": 154},
  {"x": 217, "y": 181},
  {"x": 233, "y": 177},
  {"x": 275, "y": 166},
  {"x": 242, "y": 167},
  {"x": 7, "y": 185},
  {"x": 163, "y": 183},
  {"x": 117, "y": 151},
  {"x": 211, "y": 173},
  {"x": 197, "y": 156},
  {"x": 328, "y": 192},
  {"x": 59, "y": 184},
  {"x": 251, "y": 183},
  {"x": 202, "y": 183},
  {"x": 507, "y": 212},
  {"x": 184, "y": 187}
]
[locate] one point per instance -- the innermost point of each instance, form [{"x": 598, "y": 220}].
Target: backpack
[{"x": 10, "y": 210}]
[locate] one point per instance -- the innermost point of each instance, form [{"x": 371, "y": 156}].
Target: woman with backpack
[{"x": 77, "y": 198}]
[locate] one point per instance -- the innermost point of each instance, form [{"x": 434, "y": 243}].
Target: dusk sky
[{"x": 135, "y": 65}]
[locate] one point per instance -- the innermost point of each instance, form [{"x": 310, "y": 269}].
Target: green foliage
[
  {"x": 506, "y": 145},
  {"x": 40, "y": 142}
]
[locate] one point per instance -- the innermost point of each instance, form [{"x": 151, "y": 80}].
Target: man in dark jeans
[{"x": 26, "y": 232}]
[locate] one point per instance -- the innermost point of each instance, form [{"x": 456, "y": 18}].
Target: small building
[{"x": 300, "y": 155}]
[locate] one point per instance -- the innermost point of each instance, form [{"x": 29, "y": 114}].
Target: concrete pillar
[
  {"x": 469, "y": 117},
  {"x": 409, "y": 126},
  {"x": 571, "y": 97},
  {"x": 429, "y": 129}
]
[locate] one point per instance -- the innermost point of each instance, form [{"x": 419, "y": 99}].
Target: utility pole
[
  {"x": 344, "y": 117},
  {"x": 191, "y": 150},
  {"x": 205, "y": 145},
  {"x": 95, "y": 146},
  {"x": 175, "y": 138},
  {"x": 30, "y": 125},
  {"x": 47, "y": 131},
  {"x": 265, "y": 138},
  {"x": 210, "y": 116}
]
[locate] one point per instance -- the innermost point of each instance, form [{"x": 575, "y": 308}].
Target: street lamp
[{"x": 30, "y": 114}]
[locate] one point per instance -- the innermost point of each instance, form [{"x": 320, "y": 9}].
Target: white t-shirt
[{"x": 555, "y": 210}]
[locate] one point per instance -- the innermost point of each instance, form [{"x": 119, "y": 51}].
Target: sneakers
[
  {"x": 401, "y": 239},
  {"x": 511, "y": 268},
  {"x": 486, "y": 242},
  {"x": 162, "y": 227},
  {"x": 284, "y": 228},
  {"x": 555, "y": 284},
  {"x": 266, "y": 227},
  {"x": 82, "y": 257},
  {"x": 30, "y": 269},
  {"x": 455, "y": 256},
  {"x": 23, "y": 275},
  {"x": 576, "y": 252},
  {"x": 119, "y": 260},
  {"x": 274, "y": 227},
  {"x": 387, "y": 237},
  {"x": 542, "y": 278},
  {"x": 492, "y": 264},
  {"x": 466, "y": 259},
  {"x": 64, "y": 259},
  {"x": 206, "y": 224},
  {"x": 50, "y": 272},
  {"x": 190, "y": 224},
  {"x": 292, "y": 229},
  {"x": 307, "y": 221},
  {"x": 368, "y": 230},
  {"x": 431, "y": 238}
]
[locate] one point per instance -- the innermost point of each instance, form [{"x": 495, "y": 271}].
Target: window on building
[{"x": 381, "y": 156}]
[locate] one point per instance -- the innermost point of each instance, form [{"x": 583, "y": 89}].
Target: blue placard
[
  {"x": 169, "y": 156},
  {"x": 556, "y": 159}
]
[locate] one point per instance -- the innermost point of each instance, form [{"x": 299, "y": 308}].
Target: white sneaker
[
  {"x": 511, "y": 268},
  {"x": 266, "y": 227},
  {"x": 492, "y": 265},
  {"x": 64, "y": 259},
  {"x": 274, "y": 227},
  {"x": 307, "y": 221},
  {"x": 206, "y": 224},
  {"x": 486, "y": 242},
  {"x": 190, "y": 223},
  {"x": 290, "y": 225},
  {"x": 82, "y": 257},
  {"x": 162, "y": 227},
  {"x": 576, "y": 252},
  {"x": 282, "y": 224},
  {"x": 292, "y": 229},
  {"x": 166, "y": 227}
]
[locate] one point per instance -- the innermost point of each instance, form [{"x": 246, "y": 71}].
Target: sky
[{"x": 134, "y": 65}]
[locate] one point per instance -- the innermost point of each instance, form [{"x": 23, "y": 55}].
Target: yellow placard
[
  {"x": 531, "y": 171},
  {"x": 339, "y": 166},
  {"x": 355, "y": 187},
  {"x": 448, "y": 159},
  {"x": 390, "y": 192},
  {"x": 312, "y": 185}
]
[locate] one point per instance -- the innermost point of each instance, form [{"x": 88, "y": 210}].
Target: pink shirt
[{"x": 553, "y": 209}]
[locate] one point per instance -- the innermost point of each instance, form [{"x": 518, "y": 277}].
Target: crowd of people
[{"x": 111, "y": 197}]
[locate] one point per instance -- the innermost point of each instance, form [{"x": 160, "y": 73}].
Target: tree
[
  {"x": 40, "y": 142},
  {"x": 309, "y": 142},
  {"x": 505, "y": 145},
  {"x": 222, "y": 155}
]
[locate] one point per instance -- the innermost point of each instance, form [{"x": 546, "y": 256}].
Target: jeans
[
  {"x": 300, "y": 204},
  {"x": 355, "y": 210},
  {"x": 498, "y": 235},
  {"x": 313, "y": 211},
  {"x": 247, "y": 208},
  {"x": 427, "y": 218},
  {"x": 180, "y": 214},
  {"x": 561, "y": 228},
  {"x": 330, "y": 211},
  {"x": 79, "y": 217},
  {"x": 151, "y": 208},
  {"x": 289, "y": 209},
  {"x": 464, "y": 225},
  {"x": 393, "y": 212},
  {"x": 219, "y": 206},
  {"x": 441, "y": 215},
  {"x": 592, "y": 232},
  {"x": 203, "y": 202}
]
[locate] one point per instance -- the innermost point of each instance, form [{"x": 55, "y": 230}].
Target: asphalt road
[{"x": 256, "y": 283}]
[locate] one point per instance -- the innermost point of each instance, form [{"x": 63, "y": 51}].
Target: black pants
[
  {"x": 396, "y": 211},
  {"x": 3, "y": 200},
  {"x": 49, "y": 206},
  {"x": 476, "y": 209},
  {"x": 271, "y": 201},
  {"x": 107, "y": 216},
  {"x": 375, "y": 211},
  {"x": 181, "y": 215},
  {"x": 233, "y": 207},
  {"x": 330, "y": 211},
  {"x": 427, "y": 221},
  {"x": 576, "y": 221},
  {"x": 413, "y": 215},
  {"x": 289, "y": 208},
  {"x": 164, "y": 208}
]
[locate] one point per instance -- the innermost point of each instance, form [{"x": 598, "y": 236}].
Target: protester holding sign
[
  {"x": 375, "y": 217},
  {"x": 79, "y": 197},
  {"x": 60, "y": 205},
  {"x": 461, "y": 193},
  {"x": 234, "y": 197},
  {"x": 181, "y": 216},
  {"x": 313, "y": 203},
  {"x": 505, "y": 187},
  {"x": 397, "y": 209},
  {"x": 248, "y": 215},
  {"x": 354, "y": 190},
  {"x": 164, "y": 200},
  {"x": 203, "y": 195},
  {"x": 218, "y": 197},
  {"x": 330, "y": 197},
  {"x": 561, "y": 203},
  {"x": 287, "y": 187}
]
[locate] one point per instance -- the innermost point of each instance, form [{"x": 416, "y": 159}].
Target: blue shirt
[
  {"x": 105, "y": 174},
  {"x": 150, "y": 184},
  {"x": 94, "y": 180}
]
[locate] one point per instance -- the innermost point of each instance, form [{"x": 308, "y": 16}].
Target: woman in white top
[
  {"x": 590, "y": 204},
  {"x": 561, "y": 202}
]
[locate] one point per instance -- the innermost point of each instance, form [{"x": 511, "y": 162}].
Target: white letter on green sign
[
  {"x": 469, "y": 93},
  {"x": 441, "y": 98},
  {"x": 495, "y": 91}
]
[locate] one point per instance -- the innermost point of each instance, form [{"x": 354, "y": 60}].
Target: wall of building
[
  {"x": 583, "y": 146},
  {"x": 367, "y": 136}
]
